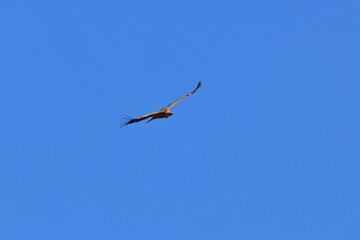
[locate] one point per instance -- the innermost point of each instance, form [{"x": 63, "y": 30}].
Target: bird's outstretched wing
[
  {"x": 180, "y": 99},
  {"x": 129, "y": 120}
]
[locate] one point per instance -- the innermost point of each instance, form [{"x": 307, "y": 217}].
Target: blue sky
[{"x": 268, "y": 148}]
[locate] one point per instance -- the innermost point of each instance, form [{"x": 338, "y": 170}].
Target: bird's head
[{"x": 168, "y": 114}]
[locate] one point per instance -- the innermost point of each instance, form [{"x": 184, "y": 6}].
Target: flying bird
[{"x": 162, "y": 113}]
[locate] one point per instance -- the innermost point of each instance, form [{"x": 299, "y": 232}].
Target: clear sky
[{"x": 267, "y": 148}]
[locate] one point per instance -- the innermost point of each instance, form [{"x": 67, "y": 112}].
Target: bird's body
[{"x": 162, "y": 113}]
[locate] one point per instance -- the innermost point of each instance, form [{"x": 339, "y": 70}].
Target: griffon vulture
[{"x": 162, "y": 113}]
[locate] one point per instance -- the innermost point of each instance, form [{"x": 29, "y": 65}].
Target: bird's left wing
[{"x": 180, "y": 99}]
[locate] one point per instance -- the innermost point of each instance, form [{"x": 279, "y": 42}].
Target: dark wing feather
[
  {"x": 130, "y": 120},
  {"x": 180, "y": 99}
]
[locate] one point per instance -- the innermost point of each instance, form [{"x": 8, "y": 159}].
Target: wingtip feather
[{"x": 126, "y": 121}]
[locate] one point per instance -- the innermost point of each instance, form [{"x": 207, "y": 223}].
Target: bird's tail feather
[{"x": 150, "y": 120}]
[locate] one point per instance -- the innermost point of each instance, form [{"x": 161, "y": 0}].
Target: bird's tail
[{"x": 150, "y": 119}]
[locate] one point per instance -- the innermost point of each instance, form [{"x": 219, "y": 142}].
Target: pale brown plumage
[{"x": 162, "y": 113}]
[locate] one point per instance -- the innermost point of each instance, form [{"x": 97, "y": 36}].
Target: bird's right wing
[{"x": 130, "y": 120}]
